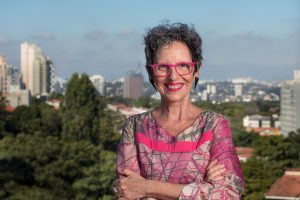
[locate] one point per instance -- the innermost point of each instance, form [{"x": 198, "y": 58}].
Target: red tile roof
[
  {"x": 8, "y": 108},
  {"x": 286, "y": 186},
  {"x": 245, "y": 152}
]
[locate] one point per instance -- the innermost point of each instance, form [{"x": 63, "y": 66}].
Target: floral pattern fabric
[{"x": 151, "y": 151}]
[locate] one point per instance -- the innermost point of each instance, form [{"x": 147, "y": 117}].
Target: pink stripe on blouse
[{"x": 179, "y": 146}]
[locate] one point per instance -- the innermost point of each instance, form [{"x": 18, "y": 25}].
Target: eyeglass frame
[{"x": 153, "y": 66}]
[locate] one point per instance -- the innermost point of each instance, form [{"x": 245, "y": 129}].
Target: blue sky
[{"x": 254, "y": 38}]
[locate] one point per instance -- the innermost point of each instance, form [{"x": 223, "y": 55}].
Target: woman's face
[{"x": 174, "y": 87}]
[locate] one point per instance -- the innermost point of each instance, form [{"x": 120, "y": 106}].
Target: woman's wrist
[
  {"x": 162, "y": 190},
  {"x": 148, "y": 187}
]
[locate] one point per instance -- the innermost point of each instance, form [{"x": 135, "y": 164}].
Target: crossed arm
[{"x": 134, "y": 186}]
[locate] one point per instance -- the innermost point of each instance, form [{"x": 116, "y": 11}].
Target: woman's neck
[{"x": 176, "y": 111}]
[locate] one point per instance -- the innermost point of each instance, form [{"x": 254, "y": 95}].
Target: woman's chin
[{"x": 174, "y": 97}]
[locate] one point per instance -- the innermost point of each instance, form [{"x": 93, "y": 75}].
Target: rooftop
[{"x": 287, "y": 186}]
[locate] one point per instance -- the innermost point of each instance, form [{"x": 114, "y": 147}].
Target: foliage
[
  {"x": 80, "y": 110},
  {"x": 41, "y": 160},
  {"x": 55, "y": 95},
  {"x": 273, "y": 155},
  {"x": 258, "y": 178},
  {"x": 110, "y": 124},
  {"x": 244, "y": 139},
  {"x": 146, "y": 102},
  {"x": 62, "y": 169},
  {"x": 268, "y": 107},
  {"x": 3, "y": 116}
]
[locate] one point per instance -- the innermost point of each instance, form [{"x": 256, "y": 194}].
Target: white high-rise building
[
  {"x": 99, "y": 83},
  {"x": 37, "y": 70},
  {"x": 238, "y": 90},
  {"x": 211, "y": 88},
  {"x": 290, "y": 105},
  {"x": 297, "y": 75}
]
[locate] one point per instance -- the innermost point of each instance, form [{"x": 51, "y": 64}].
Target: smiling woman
[{"x": 177, "y": 150}]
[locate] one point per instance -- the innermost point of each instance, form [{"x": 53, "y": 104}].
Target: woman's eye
[{"x": 162, "y": 67}]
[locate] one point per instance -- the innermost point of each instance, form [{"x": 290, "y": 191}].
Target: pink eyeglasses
[{"x": 181, "y": 68}]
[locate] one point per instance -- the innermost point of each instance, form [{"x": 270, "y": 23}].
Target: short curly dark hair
[{"x": 166, "y": 33}]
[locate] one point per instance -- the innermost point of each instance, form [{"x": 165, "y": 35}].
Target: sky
[{"x": 254, "y": 38}]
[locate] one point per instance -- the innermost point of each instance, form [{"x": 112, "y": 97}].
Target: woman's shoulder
[
  {"x": 209, "y": 115},
  {"x": 137, "y": 118},
  {"x": 131, "y": 124},
  {"x": 210, "y": 119}
]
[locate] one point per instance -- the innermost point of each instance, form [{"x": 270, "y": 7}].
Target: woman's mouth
[{"x": 173, "y": 87}]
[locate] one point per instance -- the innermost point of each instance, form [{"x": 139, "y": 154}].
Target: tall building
[
  {"x": 3, "y": 88},
  {"x": 13, "y": 79},
  {"x": 99, "y": 83},
  {"x": 238, "y": 90},
  {"x": 290, "y": 105},
  {"x": 133, "y": 85},
  {"x": 211, "y": 88},
  {"x": 37, "y": 70}
]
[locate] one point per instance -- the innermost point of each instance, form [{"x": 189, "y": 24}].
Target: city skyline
[{"x": 258, "y": 39}]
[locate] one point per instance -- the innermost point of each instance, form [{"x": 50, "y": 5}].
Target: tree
[
  {"x": 143, "y": 101},
  {"x": 25, "y": 119},
  {"x": 3, "y": 116},
  {"x": 51, "y": 120},
  {"x": 80, "y": 110},
  {"x": 243, "y": 138}
]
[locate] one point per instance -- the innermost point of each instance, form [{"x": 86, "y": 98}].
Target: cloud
[
  {"x": 96, "y": 34},
  {"x": 127, "y": 32},
  {"x": 44, "y": 36}
]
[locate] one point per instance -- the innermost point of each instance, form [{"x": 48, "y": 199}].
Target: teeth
[{"x": 174, "y": 86}]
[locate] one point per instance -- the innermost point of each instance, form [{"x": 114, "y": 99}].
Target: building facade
[
  {"x": 37, "y": 70},
  {"x": 3, "y": 87},
  {"x": 290, "y": 105},
  {"x": 99, "y": 83},
  {"x": 133, "y": 85}
]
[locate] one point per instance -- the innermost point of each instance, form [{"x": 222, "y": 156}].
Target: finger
[
  {"x": 128, "y": 172},
  {"x": 212, "y": 163},
  {"x": 216, "y": 178},
  {"x": 213, "y": 175},
  {"x": 219, "y": 172},
  {"x": 216, "y": 168},
  {"x": 212, "y": 170}
]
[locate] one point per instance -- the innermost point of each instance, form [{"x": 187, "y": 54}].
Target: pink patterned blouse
[{"x": 155, "y": 154}]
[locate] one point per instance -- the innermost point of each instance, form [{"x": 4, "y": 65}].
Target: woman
[{"x": 171, "y": 151}]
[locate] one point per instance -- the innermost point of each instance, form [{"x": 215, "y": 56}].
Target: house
[
  {"x": 244, "y": 153},
  {"x": 256, "y": 121},
  {"x": 286, "y": 187}
]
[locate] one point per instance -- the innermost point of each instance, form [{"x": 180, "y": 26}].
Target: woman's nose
[{"x": 173, "y": 73}]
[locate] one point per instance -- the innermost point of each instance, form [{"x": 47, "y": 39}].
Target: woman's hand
[
  {"x": 131, "y": 186},
  {"x": 215, "y": 171}
]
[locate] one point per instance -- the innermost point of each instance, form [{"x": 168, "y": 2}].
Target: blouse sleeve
[
  {"x": 222, "y": 148},
  {"x": 127, "y": 150}
]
